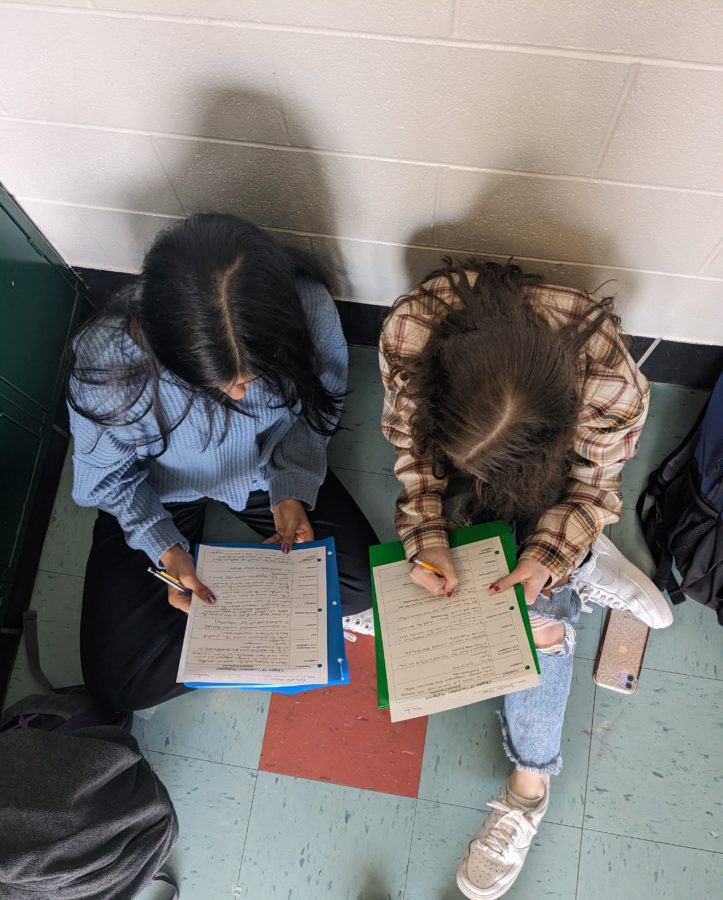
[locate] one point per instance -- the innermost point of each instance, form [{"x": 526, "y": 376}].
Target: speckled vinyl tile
[
  {"x": 630, "y": 869},
  {"x": 57, "y": 600},
  {"x": 224, "y": 726},
  {"x": 693, "y": 644},
  {"x": 70, "y": 531},
  {"x": 654, "y": 770},
  {"x": 627, "y": 535},
  {"x": 213, "y": 803},
  {"x": 441, "y": 834},
  {"x": 588, "y": 631},
  {"x": 360, "y": 444},
  {"x": 464, "y": 763},
  {"x": 673, "y": 410},
  {"x": 313, "y": 841}
]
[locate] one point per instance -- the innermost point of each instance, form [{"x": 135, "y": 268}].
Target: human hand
[
  {"x": 440, "y": 558},
  {"x": 292, "y": 525},
  {"x": 533, "y": 576},
  {"x": 179, "y": 563}
]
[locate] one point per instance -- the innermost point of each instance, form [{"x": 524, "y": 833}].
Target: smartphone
[{"x": 621, "y": 652}]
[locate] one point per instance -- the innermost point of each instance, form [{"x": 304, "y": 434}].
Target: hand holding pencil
[
  {"x": 179, "y": 573},
  {"x": 433, "y": 569}
]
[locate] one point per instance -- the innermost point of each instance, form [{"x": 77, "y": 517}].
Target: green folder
[{"x": 381, "y": 554}]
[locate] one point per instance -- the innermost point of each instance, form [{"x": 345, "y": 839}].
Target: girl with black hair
[{"x": 221, "y": 375}]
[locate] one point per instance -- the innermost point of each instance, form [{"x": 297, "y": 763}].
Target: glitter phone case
[{"x": 621, "y": 652}]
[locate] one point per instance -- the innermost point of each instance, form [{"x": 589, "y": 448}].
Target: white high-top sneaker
[
  {"x": 496, "y": 854},
  {"x": 609, "y": 579},
  {"x": 361, "y": 623}
]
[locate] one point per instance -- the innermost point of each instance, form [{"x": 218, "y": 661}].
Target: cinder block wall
[{"x": 584, "y": 138}]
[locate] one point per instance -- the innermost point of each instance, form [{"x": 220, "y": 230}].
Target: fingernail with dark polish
[
  {"x": 285, "y": 548},
  {"x": 211, "y": 598},
  {"x": 449, "y": 593}
]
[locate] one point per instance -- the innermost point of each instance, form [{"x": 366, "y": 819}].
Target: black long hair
[{"x": 216, "y": 301}]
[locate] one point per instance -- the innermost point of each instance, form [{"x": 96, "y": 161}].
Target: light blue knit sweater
[{"x": 271, "y": 450}]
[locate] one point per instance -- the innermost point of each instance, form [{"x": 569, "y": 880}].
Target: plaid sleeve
[
  {"x": 418, "y": 518},
  {"x": 614, "y": 406}
]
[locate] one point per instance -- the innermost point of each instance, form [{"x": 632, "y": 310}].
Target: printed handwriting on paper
[
  {"x": 269, "y": 625},
  {"x": 441, "y": 653}
]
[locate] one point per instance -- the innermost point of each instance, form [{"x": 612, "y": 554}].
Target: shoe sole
[{"x": 651, "y": 600}]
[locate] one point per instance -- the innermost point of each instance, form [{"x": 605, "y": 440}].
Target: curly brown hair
[{"x": 494, "y": 389}]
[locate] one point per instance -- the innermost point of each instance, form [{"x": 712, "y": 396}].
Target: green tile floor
[{"x": 636, "y": 814}]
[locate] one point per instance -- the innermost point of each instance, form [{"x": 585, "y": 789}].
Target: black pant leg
[
  {"x": 130, "y": 637},
  {"x": 336, "y": 515}
]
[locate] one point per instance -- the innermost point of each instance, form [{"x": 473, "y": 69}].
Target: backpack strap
[
  {"x": 32, "y": 648},
  {"x": 675, "y": 591},
  {"x": 685, "y": 450},
  {"x": 654, "y": 531},
  {"x": 165, "y": 877},
  {"x": 664, "y": 579}
]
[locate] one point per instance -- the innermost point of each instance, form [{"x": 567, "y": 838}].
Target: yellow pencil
[
  {"x": 429, "y": 567},
  {"x": 168, "y": 579}
]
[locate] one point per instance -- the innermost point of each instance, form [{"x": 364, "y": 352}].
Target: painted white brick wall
[{"x": 585, "y": 139}]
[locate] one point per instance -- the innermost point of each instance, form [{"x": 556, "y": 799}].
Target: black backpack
[
  {"x": 82, "y": 814},
  {"x": 683, "y": 527}
]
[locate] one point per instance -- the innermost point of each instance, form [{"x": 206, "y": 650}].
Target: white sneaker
[
  {"x": 361, "y": 623},
  {"x": 609, "y": 579},
  {"x": 496, "y": 854}
]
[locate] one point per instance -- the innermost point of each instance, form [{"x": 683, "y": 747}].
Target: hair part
[
  {"x": 216, "y": 301},
  {"x": 494, "y": 388}
]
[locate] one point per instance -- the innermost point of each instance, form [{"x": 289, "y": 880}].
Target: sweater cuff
[
  {"x": 551, "y": 558},
  {"x": 161, "y": 536},
  {"x": 424, "y": 538},
  {"x": 293, "y": 486}
]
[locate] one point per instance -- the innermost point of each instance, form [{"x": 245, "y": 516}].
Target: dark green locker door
[
  {"x": 37, "y": 308},
  {"x": 39, "y": 301},
  {"x": 20, "y": 441}
]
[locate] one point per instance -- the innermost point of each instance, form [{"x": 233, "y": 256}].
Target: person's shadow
[
  {"x": 277, "y": 187},
  {"x": 485, "y": 230},
  {"x": 281, "y": 189}
]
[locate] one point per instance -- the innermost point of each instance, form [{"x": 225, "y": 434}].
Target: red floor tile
[{"x": 339, "y": 735}]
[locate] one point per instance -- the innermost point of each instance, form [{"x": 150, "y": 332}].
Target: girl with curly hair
[{"x": 505, "y": 398}]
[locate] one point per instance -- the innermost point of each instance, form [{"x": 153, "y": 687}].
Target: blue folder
[{"x": 336, "y": 654}]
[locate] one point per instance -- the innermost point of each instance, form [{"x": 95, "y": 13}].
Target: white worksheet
[
  {"x": 268, "y": 626},
  {"x": 445, "y": 652}
]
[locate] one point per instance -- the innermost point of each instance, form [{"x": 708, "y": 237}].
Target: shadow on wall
[
  {"x": 273, "y": 187},
  {"x": 487, "y": 230}
]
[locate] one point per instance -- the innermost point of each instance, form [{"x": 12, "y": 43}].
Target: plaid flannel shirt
[{"x": 614, "y": 406}]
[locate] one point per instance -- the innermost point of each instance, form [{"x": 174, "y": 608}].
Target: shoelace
[
  {"x": 347, "y": 623},
  {"x": 588, "y": 592},
  {"x": 506, "y": 832}
]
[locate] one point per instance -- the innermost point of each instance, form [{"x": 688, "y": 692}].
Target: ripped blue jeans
[{"x": 532, "y": 719}]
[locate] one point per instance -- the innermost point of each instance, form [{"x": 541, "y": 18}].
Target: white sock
[{"x": 523, "y": 802}]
